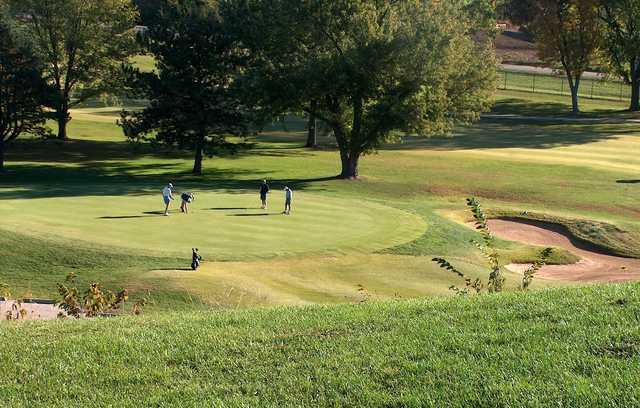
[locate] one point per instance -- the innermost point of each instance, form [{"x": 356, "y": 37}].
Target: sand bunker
[
  {"x": 34, "y": 311},
  {"x": 592, "y": 267}
]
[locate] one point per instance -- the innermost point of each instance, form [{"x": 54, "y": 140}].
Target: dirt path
[{"x": 592, "y": 267}]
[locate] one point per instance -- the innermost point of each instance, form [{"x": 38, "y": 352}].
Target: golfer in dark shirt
[
  {"x": 187, "y": 198},
  {"x": 264, "y": 190}
]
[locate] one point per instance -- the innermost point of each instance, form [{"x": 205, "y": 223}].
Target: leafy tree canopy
[
  {"x": 520, "y": 12},
  {"x": 367, "y": 68},
  {"x": 622, "y": 42},
  {"x": 82, "y": 43},
  {"x": 22, "y": 89},
  {"x": 568, "y": 36}
]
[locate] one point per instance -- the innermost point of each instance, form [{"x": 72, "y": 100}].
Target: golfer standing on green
[
  {"x": 288, "y": 197},
  {"x": 264, "y": 190},
  {"x": 167, "y": 196}
]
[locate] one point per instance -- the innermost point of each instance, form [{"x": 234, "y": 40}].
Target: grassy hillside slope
[{"x": 561, "y": 347}]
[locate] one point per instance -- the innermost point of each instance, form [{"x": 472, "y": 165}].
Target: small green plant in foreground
[
  {"x": 487, "y": 247},
  {"x": 94, "y": 302},
  {"x": 5, "y": 291},
  {"x": 16, "y": 312}
]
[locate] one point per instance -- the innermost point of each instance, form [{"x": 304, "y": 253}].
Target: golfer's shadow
[
  {"x": 147, "y": 214},
  {"x": 229, "y": 208},
  {"x": 122, "y": 217},
  {"x": 251, "y": 215}
]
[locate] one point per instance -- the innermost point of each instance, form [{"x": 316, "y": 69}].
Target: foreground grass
[{"x": 569, "y": 348}]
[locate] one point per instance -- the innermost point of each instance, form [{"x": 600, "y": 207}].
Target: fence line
[{"x": 557, "y": 85}]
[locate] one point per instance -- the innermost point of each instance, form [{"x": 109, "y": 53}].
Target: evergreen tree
[{"x": 193, "y": 102}]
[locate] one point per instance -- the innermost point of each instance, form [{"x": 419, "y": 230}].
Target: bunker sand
[{"x": 592, "y": 267}]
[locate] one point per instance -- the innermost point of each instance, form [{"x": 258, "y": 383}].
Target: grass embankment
[{"x": 570, "y": 348}]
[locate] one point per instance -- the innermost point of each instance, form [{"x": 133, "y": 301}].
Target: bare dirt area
[
  {"x": 34, "y": 311},
  {"x": 594, "y": 266},
  {"x": 513, "y": 46}
]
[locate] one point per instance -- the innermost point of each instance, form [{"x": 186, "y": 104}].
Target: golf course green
[{"x": 224, "y": 226}]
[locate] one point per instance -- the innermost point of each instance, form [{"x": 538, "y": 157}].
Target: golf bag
[{"x": 195, "y": 259}]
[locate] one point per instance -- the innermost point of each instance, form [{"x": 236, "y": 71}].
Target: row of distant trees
[
  {"x": 574, "y": 35},
  {"x": 369, "y": 70}
]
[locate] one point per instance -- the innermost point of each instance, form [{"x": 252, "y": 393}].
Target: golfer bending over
[
  {"x": 288, "y": 197},
  {"x": 264, "y": 190},
  {"x": 167, "y": 196},
  {"x": 187, "y": 198}
]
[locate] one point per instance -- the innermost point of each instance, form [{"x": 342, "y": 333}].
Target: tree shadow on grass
[
  {"x": 519, "y": 35},
  {"x": 495, "y": 133},
  {"x": 559, "y": 110},
  {"x": 84, "y": 151},
  {"x": 36, "y": 180}
]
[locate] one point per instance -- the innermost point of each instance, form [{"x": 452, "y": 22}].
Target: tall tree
[
  {"x": 83, "y": 43},
  {"x": 312, "y": 127},
  {"x": 374, "y": 68},
  {"x": 568, "y": 34},
  {"x": 193, "y": 102},
  {"x": 22, "y": 89},
  {"x": 622, "y": 42}
]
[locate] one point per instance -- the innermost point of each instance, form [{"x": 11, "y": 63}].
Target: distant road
[{"x": 543, "y": 71}]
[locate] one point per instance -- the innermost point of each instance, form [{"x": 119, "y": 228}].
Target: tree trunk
[
  {"x": 63, "y": 119},
  {"x": 1, "y": 156},
  {"x": 197, "y": 163},
  {"x": 349, "y": 165},
  {"x": 635, "y": 94},
  {"x": 312, "y": 140},
  {"x": 575, "y": 86},
  {"x": 312, "y": 136},
  {"x": 635, "y": 84}
]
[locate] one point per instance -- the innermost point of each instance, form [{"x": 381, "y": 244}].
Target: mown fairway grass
[
  {"x": 567, "y": 348},
  {"x": 94, "y": 200}
]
